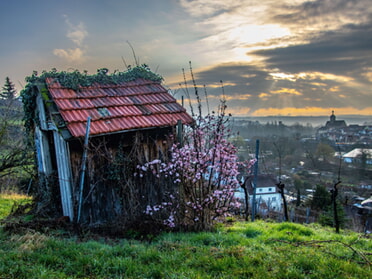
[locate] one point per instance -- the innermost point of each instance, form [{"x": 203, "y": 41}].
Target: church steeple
[
  {"x": 333, "y": 123},
  {"x": 332, "y": 118}
]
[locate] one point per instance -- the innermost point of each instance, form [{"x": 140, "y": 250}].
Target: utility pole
[{"x": 255, "y": 180}]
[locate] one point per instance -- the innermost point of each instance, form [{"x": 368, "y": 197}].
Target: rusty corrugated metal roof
[{"x": 138, "y": 104}]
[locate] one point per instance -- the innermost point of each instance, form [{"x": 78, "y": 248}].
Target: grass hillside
[{"x": 238, "y": 250}]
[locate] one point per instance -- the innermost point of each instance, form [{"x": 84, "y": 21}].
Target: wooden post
[
  {"x": 180, "y": 132},
  {"x": 83, "y": 168},
  {"x": 307, "y": 215},
  {"x": 246, "y": 197}
]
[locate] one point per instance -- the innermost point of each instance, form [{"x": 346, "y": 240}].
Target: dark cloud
[
  {"x": 238, "y": 73},
  {"x": 320, "y": 12},
  {"x": 242, "y": 84},
  {"x": 339, "y": 52}
]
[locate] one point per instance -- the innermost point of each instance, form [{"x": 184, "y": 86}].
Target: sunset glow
[{"x": 294, "y": 57}]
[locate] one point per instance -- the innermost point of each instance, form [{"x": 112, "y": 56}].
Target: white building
[
  {"x": 268, "y": 197},
  {"x": 354, "y": 156}
]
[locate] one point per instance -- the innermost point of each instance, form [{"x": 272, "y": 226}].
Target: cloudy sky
[{"x": 274, "y": 57}]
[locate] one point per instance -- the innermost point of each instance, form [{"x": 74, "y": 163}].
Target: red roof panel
[{"x": 131, "y": 105}]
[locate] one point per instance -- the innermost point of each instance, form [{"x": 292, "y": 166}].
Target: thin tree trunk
[
  {"x": 336, "y": 220},
  {"x": 281, "y": 191}
]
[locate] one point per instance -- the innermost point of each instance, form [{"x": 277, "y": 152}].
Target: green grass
[
  {"x": 8, "y": 200},
  {"x": 241, "y": 250}
]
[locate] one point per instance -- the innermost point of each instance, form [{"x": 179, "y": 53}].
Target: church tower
[{"x": 332, "y": 118}]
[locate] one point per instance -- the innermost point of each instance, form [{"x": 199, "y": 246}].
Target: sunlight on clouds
[
  {"x": 319, "y": 84},
  {"x": 324, "y": 76},
  {"x": 219, "y": 85},
  {"x": 283, "y": 76},
  {"x": 264, "y": 96},
  {"x": 334, "y": 89},
  {"x": 238, "y": 111},
  {"x": 247, "y": 34},
  {"x": 311, "y": 76},
  {"x": 368, "y": 75},
  {"x": 71, "y": 55},
  {"x": 235, "y": 42},
  {"x": 309, "y": 111},
  {"x": 290, "y": 91},
  {"x": 248, "y": 75},
  {"x": 231, "y": 28},
  {"x": 241, "y": 97}
]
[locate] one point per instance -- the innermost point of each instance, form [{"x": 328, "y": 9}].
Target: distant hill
[{"x": 315, "y": 121}]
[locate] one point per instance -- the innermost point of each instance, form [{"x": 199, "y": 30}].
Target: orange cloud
[
  {"x": 311, "y": 76},
  {"x": 264, "y": 96},
  {"x": 335, "y": 89},
  {"x": 286, "y": 91},
  {"x": 240, "y": 111},
  {"x": 219, "y": 85},
  {"x": 367, "y": 73},
  {"x": 238, "y": 97},
  {"x": 320, "y": 84}
]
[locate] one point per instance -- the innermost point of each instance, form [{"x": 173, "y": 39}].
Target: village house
[
  {"x": 91, "y": 137},
  {"x": 267, "y": 195},
  {"x": 356, "y": 155}
]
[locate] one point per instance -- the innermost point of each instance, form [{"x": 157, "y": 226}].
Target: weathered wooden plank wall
[{"x": 64, "y": 174}]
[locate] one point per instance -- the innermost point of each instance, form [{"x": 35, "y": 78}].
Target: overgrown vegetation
[{"x": 14, "y": 156}]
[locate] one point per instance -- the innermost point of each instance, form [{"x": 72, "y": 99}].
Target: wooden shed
[{"x": 128, "y": 122}]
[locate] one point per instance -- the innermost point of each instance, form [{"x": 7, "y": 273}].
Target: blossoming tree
[{"x": 204, "y": 171}]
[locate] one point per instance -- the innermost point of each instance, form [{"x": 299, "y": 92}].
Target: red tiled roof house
[{"x": 131, "y": 121}]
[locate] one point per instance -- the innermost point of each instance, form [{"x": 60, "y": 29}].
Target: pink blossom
[{"x": 204, "y": 169}]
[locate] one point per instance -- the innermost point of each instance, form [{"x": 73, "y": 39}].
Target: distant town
[{"x": 307, "y": 153}]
